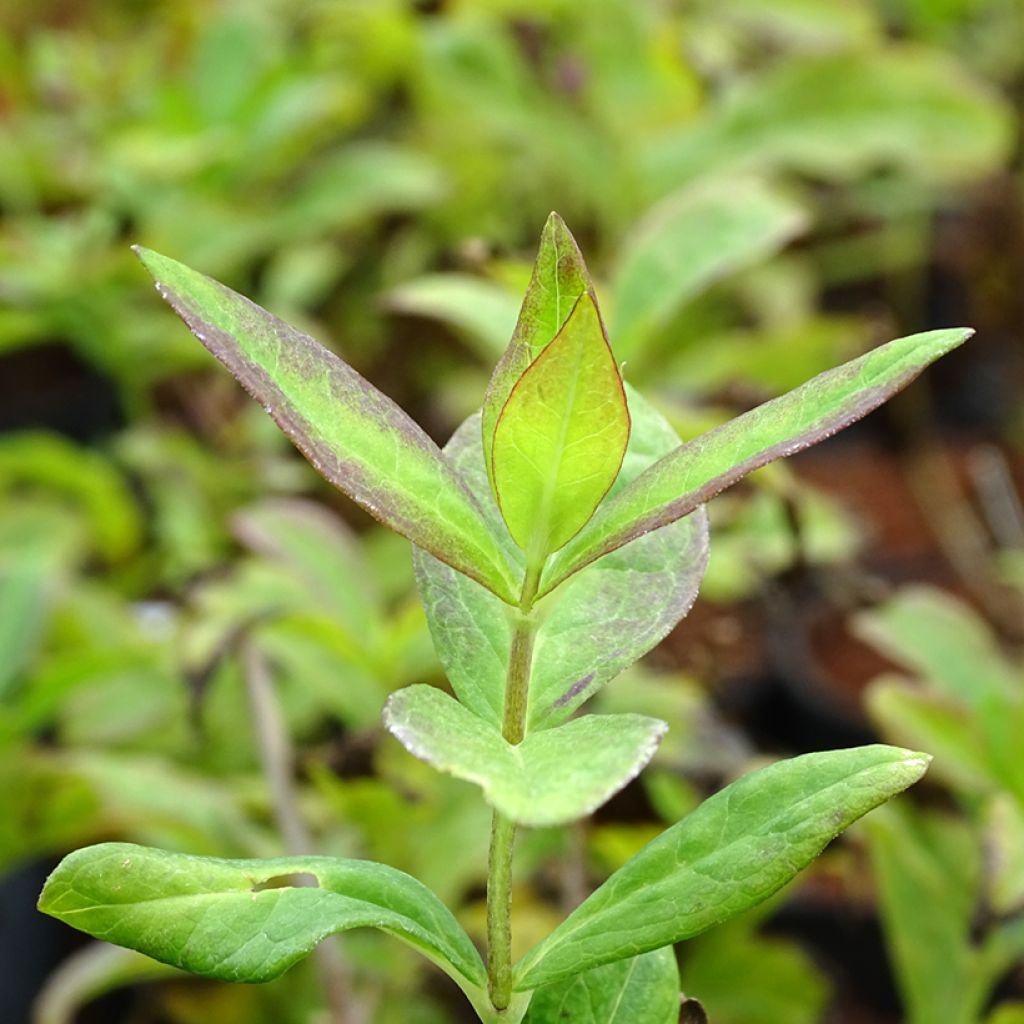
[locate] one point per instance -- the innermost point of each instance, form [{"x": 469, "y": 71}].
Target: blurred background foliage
[{"x": 762, "y": 190}]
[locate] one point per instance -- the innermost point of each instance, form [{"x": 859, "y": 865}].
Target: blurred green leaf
[
  {"x": 687, "y": 242},
  {"x": 841, "y": 116},
  {"x": 928, "y": 870},
  {"x": 780, "y": 982},
  {"x": 483, "y": 311},
  {"x": 89, "y": 973}
]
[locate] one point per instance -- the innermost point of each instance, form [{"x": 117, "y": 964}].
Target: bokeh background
[{"x": 762, "y": 190}]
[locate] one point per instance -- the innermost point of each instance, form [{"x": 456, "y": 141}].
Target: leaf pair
[{"x": 233, "y": 919}]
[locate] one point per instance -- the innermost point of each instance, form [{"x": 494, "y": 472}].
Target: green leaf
[
  {"x": 354, "y": 435},
  {"x": 909, "y": 715},
  {"x": 939, "y": 637},
  {"x": 687, "y": 242},
  {"x": 695, "y": 472},
  {"x": 561, "y": 437},
  {"x": 928, "y": 870},
  {"x": 960, "y": 660},
  {"x": 240, "y": 920},
  {"x": 594, "y": 626},
  {"x": 1004, "y": 839},
  {"x": 840, "y": 116},
  {"x": 733, "y": 852},
  {"x": 552, "y": 777},
  {"x": 323, "y": 553},
  {"x": 780, "y": 982},
  {"x": 481, "y": 309},
  {"x": 559, "y": 279},
  {"x": 644, "y": 989},
  {"x": 1008, "y": 1013}
]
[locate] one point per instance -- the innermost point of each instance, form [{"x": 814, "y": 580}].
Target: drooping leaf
[
  {"x": 553, "y": 777},
  {"x": 733, "y": 852},
  {"x": 700, "y": 469},
  {"x": 561, "y": 437},
  {"x": 595, "y": 626},
  {"x": 645, "y": 988},
  {"x": 242, "y": 920},
  {"x": 354, "y": 435},
  {"x": 687, "y": 242},
  {"x": 559, "y": 279}
]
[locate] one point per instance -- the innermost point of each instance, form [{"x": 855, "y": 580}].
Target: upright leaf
[
  {"x": 351, "y": 433},
  {"x": 734, "y": 851},
  {"x": 928, "y": 870},
  {"x": 559, "y": 279},
  {"x": 643, "y": 989},
  {"x": 553, "y": 777},
  {"x": 239, "y": 920},
  {"x": 695, "y": 472},
  {"x": 561, "y": 437}
]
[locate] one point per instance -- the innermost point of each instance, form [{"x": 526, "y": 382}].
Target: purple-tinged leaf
[
  {"x": 695, "y": 472},
  {"x": 353, "y": 435}
]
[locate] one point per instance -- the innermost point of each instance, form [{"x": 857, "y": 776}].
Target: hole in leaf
[{"x": 301, "y": 880}]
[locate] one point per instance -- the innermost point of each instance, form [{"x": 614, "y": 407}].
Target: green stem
[
  {"x": 499, "y": 911},
  {"x": 503, "y": 831}
]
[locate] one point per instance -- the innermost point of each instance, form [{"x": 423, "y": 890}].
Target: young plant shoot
[{"x": 558, "y": 537}]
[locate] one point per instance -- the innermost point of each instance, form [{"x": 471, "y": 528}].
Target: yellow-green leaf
[{"x": 561, "y": 437}]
